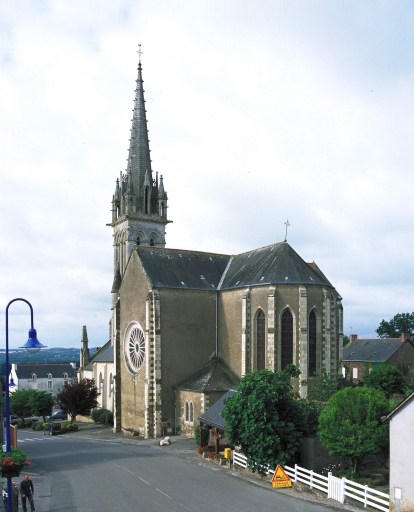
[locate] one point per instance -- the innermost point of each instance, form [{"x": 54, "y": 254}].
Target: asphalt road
[{"x": 73, "y": 473}]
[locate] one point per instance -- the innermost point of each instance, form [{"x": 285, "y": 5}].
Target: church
[{"x": 186, "y": 325}]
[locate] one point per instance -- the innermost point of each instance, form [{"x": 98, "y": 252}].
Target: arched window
[
  {"x": 152, "y": 243},
  {"x": 100, "y": 383},
  {"x": 139, "y": 240},
  {"x": 191, "y": 412},
  {"x": 260, "y": 341},
  {"x": 162, "y": 210},
  {"x": 312, "y": 344},
  {"x": 187, "y": 411},
  {"x": 287, "y": 339},
  {"x": 34, "y": 376}
]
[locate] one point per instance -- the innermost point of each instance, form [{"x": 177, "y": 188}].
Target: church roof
[
  {"x": 174, "y": 268},
  {"x": 372, "y": 349},
  {"x": 214, "y": 376},
  {"x": 104, "y": 355},
  {"x": 213, "y": 415},
  {"x": 274, "y": 264}
]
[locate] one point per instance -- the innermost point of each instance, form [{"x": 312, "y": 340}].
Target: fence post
[
  {"x": 343, "y": 484},
  {"x": 366, "y": 496},
  {"x": 296, "y": 472},
  {"x": 311, "y": 479},
  {"x": 329, "y": 485}
]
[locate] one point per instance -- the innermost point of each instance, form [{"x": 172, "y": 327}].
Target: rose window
[{"x": 134, "y": 348}]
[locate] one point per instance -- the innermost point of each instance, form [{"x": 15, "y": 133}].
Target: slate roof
[
  {"x": 397, "y": 409},
  {"x": 213, "y": 415},
  {"x": 214, "y": 376},
  {"x": 104, "y": 355},
  {"x": 274, "y": 264},
  {"x": 25, "y": 371},
  {"x": 174, "y": 268},
  {"x": 372, "y": 349}
]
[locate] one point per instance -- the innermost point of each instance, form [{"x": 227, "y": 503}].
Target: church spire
[{"x": 139, "y": 161}]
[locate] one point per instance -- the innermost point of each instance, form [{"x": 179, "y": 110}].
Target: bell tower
[{"x": 139, "y": 203}]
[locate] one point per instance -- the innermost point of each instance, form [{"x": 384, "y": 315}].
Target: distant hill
[{"x": 47, "y": 355}]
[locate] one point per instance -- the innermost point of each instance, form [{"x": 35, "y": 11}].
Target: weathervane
[
  {"x": 140, "y": 53},
  {"x": 287, "y": 225}
]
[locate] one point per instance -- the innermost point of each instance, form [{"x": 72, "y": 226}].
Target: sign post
[{"x": 280, "y": 478}]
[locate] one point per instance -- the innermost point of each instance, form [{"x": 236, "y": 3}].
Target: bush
[
  {"x": 95, "y": 415},
  {"x": 103, "y": 416},
  {"x": 71, "y": 427},
  {"x": 37, "y": 426}
]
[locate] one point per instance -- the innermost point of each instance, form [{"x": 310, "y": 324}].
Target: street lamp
[{"x": 32, "y": 345}]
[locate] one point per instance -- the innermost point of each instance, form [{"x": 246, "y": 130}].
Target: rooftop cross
[
  {"x": 140, "y": 53},
  {"x": 287, "y": 225}
]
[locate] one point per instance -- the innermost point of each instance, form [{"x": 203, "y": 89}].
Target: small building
[
  {"x": 401, "y": 420},
  {"x": 42, "y": 377},
  {"x": 360, "y": 355},
  {"x": 201, "y": 390},
  {"x": 100, "y": 368}
]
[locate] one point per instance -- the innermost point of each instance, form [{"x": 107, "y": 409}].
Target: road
[{"x": 73, "y": 473}]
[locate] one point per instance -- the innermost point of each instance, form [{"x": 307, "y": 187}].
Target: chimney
[
  {"x": 353, "y": 337},
  {"x": 405, "y": 336}
]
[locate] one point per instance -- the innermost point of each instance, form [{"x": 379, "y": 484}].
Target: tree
[
  {"x": 78, "y": 397},
  {"x": 351, "y": 424},
  {"x": 20, "y": 403},
  {"x": 41, "y": 403},
  {"x": 387, "y": 378},
  {"x": 401, "y": 322},
  {"x": 264, "y": 419}
]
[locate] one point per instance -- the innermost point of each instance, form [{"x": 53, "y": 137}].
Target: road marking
[
  {"x": 164, "y": 494},
  {"x": 186, "y": 507},
  {"x": 128, "y": 471},
  {"x": 28, "y": 439},
  {"x": 145, "y": 482}
]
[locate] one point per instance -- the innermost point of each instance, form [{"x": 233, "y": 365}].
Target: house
[
  {"x": 401, "y": 420},
  {"x": 100, "y": 368},
  {"x": 42, "y": 377},
  {"x": 362, "y": 354},
  {"x": 175, "y": 313}
]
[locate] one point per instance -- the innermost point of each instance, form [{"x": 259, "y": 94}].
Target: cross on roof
[
  {"x": 140, "y": 53},
  {"x": 287, "y": 225}
]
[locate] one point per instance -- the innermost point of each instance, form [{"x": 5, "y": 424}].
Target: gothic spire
[{"x": 139, "y": 153}]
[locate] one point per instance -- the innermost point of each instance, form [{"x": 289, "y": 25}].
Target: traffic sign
[{"x": 280, "y": 478}]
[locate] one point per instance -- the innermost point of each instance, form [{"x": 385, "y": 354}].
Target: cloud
[{"x": 257, "y": 113}]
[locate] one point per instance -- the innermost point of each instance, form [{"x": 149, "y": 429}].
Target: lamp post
[{"x": 32, "y": 345}]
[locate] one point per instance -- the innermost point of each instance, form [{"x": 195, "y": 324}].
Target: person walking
[{"x": 27, "y": 491}]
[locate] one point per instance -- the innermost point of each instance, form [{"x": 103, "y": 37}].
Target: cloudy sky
[{"x": 258, "y": 112}]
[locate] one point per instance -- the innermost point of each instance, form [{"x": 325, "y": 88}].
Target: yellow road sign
[{"x": 280, "y": 478}]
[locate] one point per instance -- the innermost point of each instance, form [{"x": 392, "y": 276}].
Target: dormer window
[
  {"x": 49, "y": 381},
  {"x": 34, "y": 376}
]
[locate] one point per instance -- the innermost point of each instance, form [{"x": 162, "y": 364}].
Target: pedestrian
[{"x": 27, "y": 491}]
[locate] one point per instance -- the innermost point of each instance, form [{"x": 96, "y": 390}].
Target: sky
[{"x": 259, "y": 112}]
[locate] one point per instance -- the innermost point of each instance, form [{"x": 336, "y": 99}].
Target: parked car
[
  {"x": 57, "y": 415},
  {"x": 14, "y": 420}
]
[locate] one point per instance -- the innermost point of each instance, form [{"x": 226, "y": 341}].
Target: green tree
[
  {"x": 41, "y": 403},
  {"x": 78, "y": 397},
  {"x": 327, "y": 386},
  {"x": 264, "y": 419},
  {"x": 20, "y": 403},
  {"x": 387, "y": 378},
  {"x": 345, "y": 340},
  {"x": 351, "y": 424},
  {"x": 401, "y": 322}
]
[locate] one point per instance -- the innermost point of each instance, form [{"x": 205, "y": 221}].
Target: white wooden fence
[{"x": 335, "y": 488}]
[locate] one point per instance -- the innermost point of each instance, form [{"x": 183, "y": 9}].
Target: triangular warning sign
[{"x": 280, "y": 478}]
